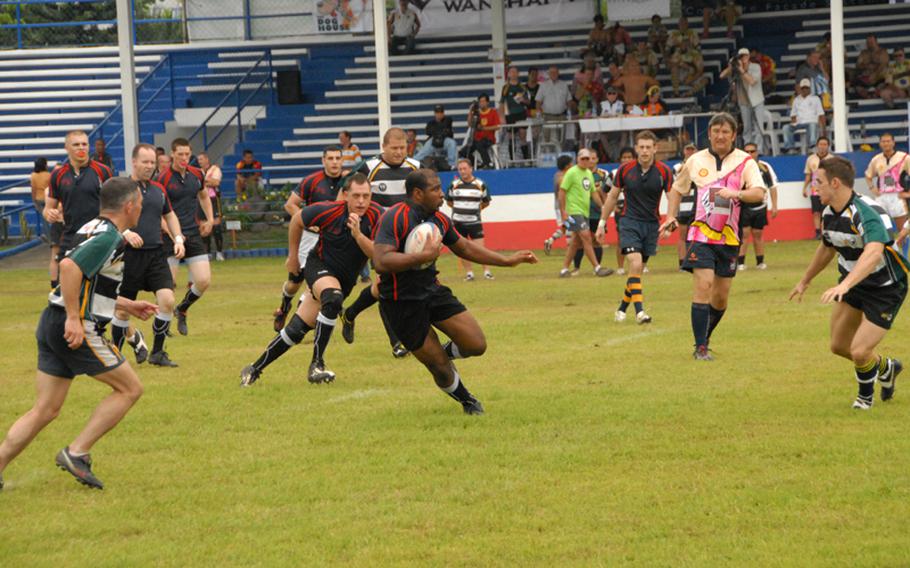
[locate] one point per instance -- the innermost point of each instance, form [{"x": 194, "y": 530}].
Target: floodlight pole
[
  {"x": 839, "y": 84},
  {"x": 128, "y": 107},
  {"x": 498, "y": 52},
  {"x": 381, "y": 44}
]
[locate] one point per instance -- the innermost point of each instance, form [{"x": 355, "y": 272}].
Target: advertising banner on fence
[
  {"x": 625, "y": 10},
  {"x": 344, "y": 16},
  {"x": 452, "y": 16}
]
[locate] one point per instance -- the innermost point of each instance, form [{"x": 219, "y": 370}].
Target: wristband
[{"x": 601, "y": 224}]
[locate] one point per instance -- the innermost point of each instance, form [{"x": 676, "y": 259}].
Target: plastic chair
[{"x": 769, "y": 121}]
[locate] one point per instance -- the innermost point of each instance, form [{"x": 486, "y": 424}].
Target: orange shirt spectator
[{"x": 486, "y": 118}]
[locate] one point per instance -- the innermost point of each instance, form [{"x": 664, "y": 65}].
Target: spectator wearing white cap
[
  {"x": 746, "y": 79},
  {"x": 805, "y": 112}
]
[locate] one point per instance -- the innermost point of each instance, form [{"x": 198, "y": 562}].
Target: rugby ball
[{"x": 418, "y": 238}]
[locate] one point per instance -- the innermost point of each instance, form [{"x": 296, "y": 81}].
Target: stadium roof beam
[
  {"x": 127, "y": 80},
  {"x": 383, "y": 87},
  {"x": 839, "y": 86}
]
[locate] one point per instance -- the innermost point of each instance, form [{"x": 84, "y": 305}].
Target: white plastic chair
[{"x": 769, "y": 121}]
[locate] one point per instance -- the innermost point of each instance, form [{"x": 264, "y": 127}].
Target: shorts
[
  {"x": 817, "y": 206},
  {"x": 193, "y": 247},
  {"x": 316, "y": 269},
  {"x": 308, "y": 240},
  {"x": 411, "y": 319},
  {"x": 577, "y": 223},
  {"x": 145, "y": 270},
  {"x": 95, "y": 356},
  {"x": 56, "y": 234},
  {"x": 754, "y": 218},
  {"x": 473, "y": 231},
  {"x": 638, "y": 236},
  {"x": 719, "y": 258},
  {"x": 892, "y": 204},
  {"x": 685, "y": 217},
  {"x": 879, "y": 305}
]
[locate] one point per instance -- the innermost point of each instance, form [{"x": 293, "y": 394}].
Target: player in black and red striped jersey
[
  {"x": 412, "y": 297},
  {"x": 75, "y": 185},
  {"x": 332, "y": 267},
  {"x": 324, "y": 185},
  {"x": 185, "y": 187}
]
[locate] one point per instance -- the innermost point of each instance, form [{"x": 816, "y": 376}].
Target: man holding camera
[
  {"x": 746, "y": 79},
  {"x": 440, "y": 136}
]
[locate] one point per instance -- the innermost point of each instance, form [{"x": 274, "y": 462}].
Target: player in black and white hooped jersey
[
  {"x": 411, "y": 295},
  {"x": 468, "y": 196},
  {"x": 344, "y": 228}
]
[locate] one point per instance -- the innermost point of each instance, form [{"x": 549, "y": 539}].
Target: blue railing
[{"x": 236, "y": 93}]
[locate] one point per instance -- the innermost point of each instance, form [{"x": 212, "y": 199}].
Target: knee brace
[
  {"x": 331, "y": 300},
  {"x": 296, "y": 329}
]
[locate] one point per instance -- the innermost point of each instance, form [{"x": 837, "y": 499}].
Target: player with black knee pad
[{"x": 332, "y": 268}]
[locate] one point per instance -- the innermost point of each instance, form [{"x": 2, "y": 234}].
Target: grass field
[{"x": 603, "y": 443}]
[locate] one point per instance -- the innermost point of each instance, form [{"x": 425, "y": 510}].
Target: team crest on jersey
[
  {"x": 586, "y": 183},
  {"x": 702, "y": 172},
  {"x": 382, "y": 187}
]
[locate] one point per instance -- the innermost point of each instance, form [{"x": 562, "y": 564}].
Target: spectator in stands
[
  {"x": 350, "y": 152},
  {"x": 484, "y": 121},
  {"x": 654, "y": 105},
  {"x": 101, "y": 154},
  {"x": 819, "y": 81},
  {"x": 680, "y": 36},
  {"x": 440, "y": 137},
  {"x": 806, "y": 112},
  {"x": 553, "y": 100},
  {"x": 824, "y": 52},
  {"x": 39, "y": 181},
  {"x": 612, "y": 107},
  {"x": 532, "y": 86},
  {"x": 633, "y": 84},
  {"x": 871, "y": 65},
  {"x": 687, "y": 67},
  {"x": 728, "y": 12},
  {"x": 647, "y": 58},
  {"x": 622, "y": 42},
  {"x": 249, "y": 174},
  {"x": 658, "y": 35},
  {"x": 513, "y": 105},
  {"x": 588, "y": 95},
  {"x": 413, "y": 143},
  {"x": 897, "y": 78},
  {"x": 403, "y": 27},
  {"x": 589, "y": 62},
  {"x": 746, "y": 84},
  {"x": 768, "y": 70},
  {"x": 600, "y": 40}
]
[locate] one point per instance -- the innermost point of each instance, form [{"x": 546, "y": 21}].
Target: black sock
[
  {"x": 286, "y": 301},
  {"x": 324, "y": 329},
  {"x": 363, "y": 301},
  {"x": 759, "y": 259},
  {"x": 579, "y": 254},
  {"x": 191, "y": 296},
  {"x": 452, "y": 350},
  {"x": 393, "y": 338},
  {"x": 700, "y": 317},
  {"x": 865, "y": 378},
  {"x": 714, "y": 318},
  {"x": 457, "y": 390},
  {"x": 219, "y": 238},
  {"x": 741, "y": 259},
  {"x": 680, "y": 262},
  {"x": 291, "y": 335},
  {"x": 118, "y": 333},
  {"x": 598, "y": 254},
  {"x": 160, "y": 326},
  {"x": 54, "y": 284}
]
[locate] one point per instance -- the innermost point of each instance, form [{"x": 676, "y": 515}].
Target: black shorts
[
  {"x": 192, "y": 246},
  {"x": 879, "y": 305},
  {"x": 145, "y": 270},
  {"x": 472, "y": 231},
  {"x": 753, "y": 218},
  {"x": 95, "y": 356},
  {"x": 685, "y": 218},
  {"x": 56, "y": 233},
  {"x": 411, "y": 319},
  {"x": 719, "y": 258},
  {"x": 579, "y": 223},
  {"x": 315, "y": 269},
  {"x": 638, "y": 236},
  {"x": 817, "y": 206}
]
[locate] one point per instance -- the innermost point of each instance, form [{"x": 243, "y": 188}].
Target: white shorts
[
  {"x": 892, "y": 204},
  {"x": 307, "y": 241}
]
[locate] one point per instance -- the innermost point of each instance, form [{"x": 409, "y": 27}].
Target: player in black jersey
[
  {"x": 324, "y": 185},
  {"x": 72, "y": 195},
  {"x": 387, "y": 173},
  {"x": 185, "y": 187},
  {"x": 344, "y": 229},
  {"x": 145, "y": 265},
  {"x": 412, "y": 296}
]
